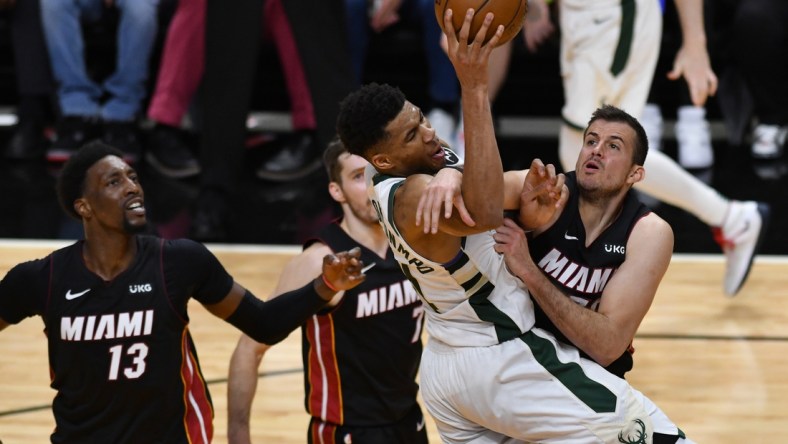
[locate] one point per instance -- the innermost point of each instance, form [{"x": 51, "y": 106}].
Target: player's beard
[
  {"x": 597, "y": 194},
  {"x": 365, "y": 213}
]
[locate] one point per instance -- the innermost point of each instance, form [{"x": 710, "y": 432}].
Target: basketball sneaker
[
  {"x": 740, "y": 237},
  {"x": 768, "y": 141},
  {"x": 652, "y": 123},
  {"x": 694, "y": 138}
]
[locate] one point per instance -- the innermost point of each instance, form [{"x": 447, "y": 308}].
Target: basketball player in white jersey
[
  {"x": 487, "y": 375},
  {"x": 609, "y": 52}
]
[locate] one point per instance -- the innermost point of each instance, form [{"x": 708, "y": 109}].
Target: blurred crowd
[{"x": 177, "y": 97}]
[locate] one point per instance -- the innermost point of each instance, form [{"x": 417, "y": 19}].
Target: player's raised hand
[
  {"x": 343, "y": 270},
  {"x": 544, "y": 194},
  {"x": 469, "y": 54},
  {"x": 444, "y": 192}
]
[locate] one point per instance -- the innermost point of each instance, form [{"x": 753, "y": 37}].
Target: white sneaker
[
  {"x": 443, "y": 123},
  {"x": 768, "y": 141},
  {"x": 740, "y": 237},
  {"x": 694, "y": 138},
  {"x": 651, "y": 120}
]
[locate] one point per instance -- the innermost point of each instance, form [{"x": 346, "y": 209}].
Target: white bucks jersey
[{"x": 471, "y": 301}]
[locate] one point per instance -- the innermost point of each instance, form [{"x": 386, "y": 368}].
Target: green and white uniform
[{"x": 488, "y": 376}]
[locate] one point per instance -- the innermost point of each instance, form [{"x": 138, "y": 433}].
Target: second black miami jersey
[
  {"x": 582, "y": 272},
  {"x": 362, "y": 355},
  {"x": 118, "y": 347}
]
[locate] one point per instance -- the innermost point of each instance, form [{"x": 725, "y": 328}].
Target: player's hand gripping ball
[{"x": 509, "y": 13}]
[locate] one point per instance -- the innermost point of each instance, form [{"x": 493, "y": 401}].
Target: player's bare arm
[
  {"x": 482, "y": 185},
  {"x": 442, "y": 194}
]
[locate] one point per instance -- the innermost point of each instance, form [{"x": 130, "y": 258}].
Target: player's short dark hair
[
  {"x": 70, "y": 184},
  {"x": 610, "y": 113},
  {"x": 364, "y": 114},
  {"x": 331, "y": 155}
]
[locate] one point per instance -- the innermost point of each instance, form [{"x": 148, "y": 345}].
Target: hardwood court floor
[{"x": 716, "y": 366}]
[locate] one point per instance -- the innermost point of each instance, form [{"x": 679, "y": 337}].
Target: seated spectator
[{"x": 90, "y": 109}]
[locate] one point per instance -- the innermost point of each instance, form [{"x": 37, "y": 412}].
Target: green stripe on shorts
[
  {"x": 593, "y": 394},
  {"x": 625, "y": 39}
]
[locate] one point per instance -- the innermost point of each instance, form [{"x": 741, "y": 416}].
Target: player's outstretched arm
[
  {"x": 482, "y": 186},
  {"x": 270, "y": 322}
]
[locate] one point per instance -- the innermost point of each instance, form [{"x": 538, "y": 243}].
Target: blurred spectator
[
  {"x": 364, "y": 17},
  {"x": 85, "y": 105},
  {"x": 753, "y": 42},
  {"x": 181, "y": 72},
  {"x": 34, "y": 82},
  {"x": 232, "y": 42},
  {"x": 692, "y": 131}
]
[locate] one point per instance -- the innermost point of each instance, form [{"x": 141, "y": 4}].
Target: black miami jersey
[
  {"x": 582, "y": 272},
  {"x": 121, "y": 357},
  {"x": 362, "y": 355}
]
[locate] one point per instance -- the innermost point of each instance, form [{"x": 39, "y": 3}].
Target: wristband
[{"x": 328, "y": 284}]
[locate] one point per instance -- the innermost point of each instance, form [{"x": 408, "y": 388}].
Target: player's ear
[
  {"x": 637, "y": 174},
  {"x": 381, "y": 162},
  {"x": 336, "y": 192},
  {"x": 82, "y": 207}
]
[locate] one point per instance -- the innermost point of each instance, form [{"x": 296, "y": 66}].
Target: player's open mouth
[
  {"x": 136, "y": 206},
  {"x": 593, "y": 165}
]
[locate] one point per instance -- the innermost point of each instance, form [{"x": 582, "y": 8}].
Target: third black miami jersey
[
  {"x": 582, "y": 272},
  {"x": 361, "y": 356}
]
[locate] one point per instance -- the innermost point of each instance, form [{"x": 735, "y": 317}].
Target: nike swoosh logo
[
  {"x": 600, "y": 20},
  {"x": 70, "y": 295},
  {"x": 568, "y": 237},
  {"x": 420, "y": 425}
]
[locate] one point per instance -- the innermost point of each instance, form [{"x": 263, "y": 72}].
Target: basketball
[{"x": 509, "y": 13}]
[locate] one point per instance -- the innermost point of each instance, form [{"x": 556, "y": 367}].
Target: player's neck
[
  {"x": 108, "y": 256},
  {"x": 370, "y": 235},
  {"x": 599, "y": 214}
]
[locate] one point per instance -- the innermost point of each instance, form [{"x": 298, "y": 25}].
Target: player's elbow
[
  {"x": 605, "y": 356},
  {"x": 488, "y": 220}
]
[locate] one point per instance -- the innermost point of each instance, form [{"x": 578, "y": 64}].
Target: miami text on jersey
[
  {"x": 574, "y": 276},
  {"x": 106, "y": 326},
  {"x": 399, "y": 248},
  {"x": 384, "y": 299}
]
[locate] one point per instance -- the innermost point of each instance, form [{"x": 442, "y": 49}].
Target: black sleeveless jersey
[
  {"x": 361, "y": 356},
  {"x": 121, "y": 357},
  {"x": 582, "y": 272}
]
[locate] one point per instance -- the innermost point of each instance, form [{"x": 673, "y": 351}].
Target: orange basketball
[{"x": 509, "y": 13}]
